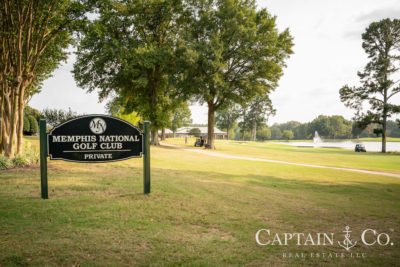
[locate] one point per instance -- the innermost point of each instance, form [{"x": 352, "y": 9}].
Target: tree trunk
[
  {"x": 210, "y": 132},
  {"x": 154, "y": 138},
  {"x": 20, "y": 124},
  {"x": 4, "y": 120},
  {"x": 2, "y": 128},
  {"x": 163, "y": 134},
  {"x": 9, "y": 150},
  {"x": 384, "y": 117},
  {"x": 384, "y": 134},
  {"x": 254, "y": 134}
]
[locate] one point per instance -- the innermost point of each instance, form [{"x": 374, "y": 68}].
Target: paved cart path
[{"x": 216, "y": 154}]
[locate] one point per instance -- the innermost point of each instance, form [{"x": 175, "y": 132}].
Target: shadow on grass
[{"x": 213, "y": 213}]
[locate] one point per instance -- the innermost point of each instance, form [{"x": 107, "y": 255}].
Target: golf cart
[
  {"x": 360, "y": 148},
  {"x": 199, "y": 142}
]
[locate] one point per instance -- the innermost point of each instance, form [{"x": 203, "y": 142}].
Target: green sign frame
[{"x": 44, "y": 153}]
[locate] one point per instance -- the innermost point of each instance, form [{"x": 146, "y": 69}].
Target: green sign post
[
  {"x": 146, "y": 158},
  {"x": 43, "y": 158},
  {"x": 94, "y": 138}
]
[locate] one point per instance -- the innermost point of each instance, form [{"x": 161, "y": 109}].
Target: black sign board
[{"x": 95, "y": 138}]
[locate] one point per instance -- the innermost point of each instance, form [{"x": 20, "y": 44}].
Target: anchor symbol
[{"x": 347, "y": 243}]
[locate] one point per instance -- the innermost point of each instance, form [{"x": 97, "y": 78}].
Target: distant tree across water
[{"x": 328, "y": 127}]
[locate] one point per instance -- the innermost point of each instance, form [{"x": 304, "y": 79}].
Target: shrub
[
  {"x": 20, "y": 161},
  {"x": 27, "y": 125},
  {"x": 30, "y": 156},
  {"x": 30, "y": 153},
  {"x": 5, "y": 163},
  {"x": 195, "y": 131},
  {"x": 34, "y": 127}
]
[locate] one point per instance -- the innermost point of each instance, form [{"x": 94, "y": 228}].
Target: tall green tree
[
  {"x": 33, "y": 125},
  {"x": 226, "y": 118},
  {"x": 256, "y": 113},
  {"x": 263, "y": 133},
  {"x": 132, "y": 49},
  {"x": 381, "y": 42},
  {"x": 236, "y": 53},
  {"x": 181, "y": 117},
  {"x": 27, "y": 126},
  {"x": 34, "y": 36}
]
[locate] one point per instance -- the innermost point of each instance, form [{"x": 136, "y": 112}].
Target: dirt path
[{"x": 216, "y": 154}]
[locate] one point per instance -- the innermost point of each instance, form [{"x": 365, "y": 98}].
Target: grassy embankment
[{"x": 202, "y": 211}]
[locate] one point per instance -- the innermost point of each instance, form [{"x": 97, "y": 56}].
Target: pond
[{"x": 369, "y": 146}]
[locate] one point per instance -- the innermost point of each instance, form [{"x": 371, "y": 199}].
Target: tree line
[
  {"x": 328, "y": 127},
  {"x": 156, "y": 55},
  {"x": 34, "y": 36},
  {"x": 151, "y": 58}
]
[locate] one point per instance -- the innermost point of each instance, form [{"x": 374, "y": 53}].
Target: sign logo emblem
[
  {"x": 347, "y": 243},
  {"x": 97, "y": 126}
]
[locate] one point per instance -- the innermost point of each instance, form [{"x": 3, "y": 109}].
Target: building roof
[
  {"x": 203, "y": 130},
  {"x": 167, "y": 131}
]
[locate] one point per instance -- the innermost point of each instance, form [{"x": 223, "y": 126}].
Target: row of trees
[
  {"x": 53, "y": 117},
  {"x": 328, "y": 127},
  {"x": 34, "y": 36},
  {"x": 152, "y": 55},
  {"x": 250, "y": 117},
  {"x": 244, "y": 128},
  {"x": 156, "y": 55}
]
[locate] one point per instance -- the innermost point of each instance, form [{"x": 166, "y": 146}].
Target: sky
[{"x": 327, "y": 55}]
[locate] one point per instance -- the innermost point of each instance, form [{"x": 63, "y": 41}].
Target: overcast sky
[{"x": 327, "y": 55}]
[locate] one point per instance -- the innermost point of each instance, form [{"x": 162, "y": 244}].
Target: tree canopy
[
  {"x": 256, "y": 113},
  {"x": 287, "y": 134},
  {"x": 34, "y": 36},
  {"x": 131, "y": 49},
  {"x": 181, "y": 117},
  {"x": 226, "y": 118},
  {"x": 236, "y": 53}
]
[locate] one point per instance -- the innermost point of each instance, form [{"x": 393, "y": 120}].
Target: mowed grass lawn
[
  {"x": 335, "y": 157},
  {"x": 202, "y": 211}
]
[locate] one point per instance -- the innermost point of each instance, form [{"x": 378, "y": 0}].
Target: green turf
[
  {"x": 202, "y": 211},
  {"x": 321, "y": 156}
]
